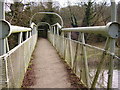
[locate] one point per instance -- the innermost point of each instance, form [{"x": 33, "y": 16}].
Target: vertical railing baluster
[
  {"x": 51, "y": 35},
  {"x": 84, "y": 53},
  {"x": 30, "y": 33},
  {"x": 66, "y": 46},
  {"x": 70, "y": 49},
  {"x": 63, "y": 49},
  {"x": 7, "y": 45},
  {"x": 58, "y": 40},
  {"x": 20, "y": 37},
  {"x": 6, "y": 71},
  {"x": 26, "y": 37},
  {"x": 76, "y": 53},
  {"x": 54, "y": 35}
]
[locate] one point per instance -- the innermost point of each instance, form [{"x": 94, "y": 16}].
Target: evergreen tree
[{"x": 87, "y": 21}]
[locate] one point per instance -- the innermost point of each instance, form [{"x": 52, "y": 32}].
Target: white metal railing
[
  {"x": 78, "y": 54},
  {"x": 7, "y": 29},
  {"x": 84, "y": 59},
  {"x": 14, "y": 63},
  {"x": 104, "y": 30}
]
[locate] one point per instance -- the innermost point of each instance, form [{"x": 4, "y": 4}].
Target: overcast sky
[{"x": 62, "y": 2}]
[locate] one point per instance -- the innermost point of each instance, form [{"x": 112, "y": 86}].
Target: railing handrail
[
  {"x": 59, "y": 26},
  {"x": 6, "y": 32},
  {"x": 107, "y": 30},
  {"x": 17, "y": 29}
]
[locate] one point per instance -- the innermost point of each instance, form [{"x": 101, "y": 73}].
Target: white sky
[{"x": 62, "y": 2}]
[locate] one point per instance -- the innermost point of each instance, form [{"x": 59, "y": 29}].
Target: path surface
[{"x": 49, "y": 71}]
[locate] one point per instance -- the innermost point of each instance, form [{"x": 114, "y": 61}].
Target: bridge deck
[{"x": 49, "y": 71}]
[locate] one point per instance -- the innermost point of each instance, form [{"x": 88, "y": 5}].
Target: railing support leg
[
  {"x": 110, "y": 43},
  {"x": 101, "y": 63}
]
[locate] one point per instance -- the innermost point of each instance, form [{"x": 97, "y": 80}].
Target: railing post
[
  {"x": 112, "y": 44},
  {"x": 20, "y": 38},
  {"x": 113, "y": 11},
  {"x": 70, "y": 48},
  {"x": 101, "y": 63},
  {"x": 34, "y": 30},
  {"x": 58, "y": 39},
  {"x": 85, "y": 60},
  {"x": 26, "y": 36},
  {"x": 63, "y": 45},
  {"x": 7, "y": 45},
  {"x": 2, "y": 11},
  {"x": 30, "y": 33},
  {"x": 57, "y": 31},
  {"x": 54, "y": 35},
  {"x": 111, "y": 65},
  {"x": 76, "y": 52},
  {"x": 2, "y": 40}
]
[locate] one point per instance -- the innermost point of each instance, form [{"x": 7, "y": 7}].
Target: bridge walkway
[{"x": 49, "y": 71}]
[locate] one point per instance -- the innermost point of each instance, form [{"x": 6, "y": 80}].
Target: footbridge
[{"x": 95, "y": 67}]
